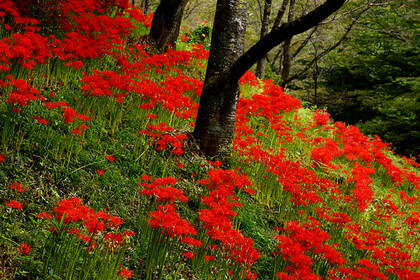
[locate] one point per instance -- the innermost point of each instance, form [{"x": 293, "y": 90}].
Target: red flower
[
  {"x": 125, "y": 273},
  {"x": 209, "y": 258},
  {"x": 189, "y": 255},
  {"x": 129, "y": 233},
  {"x": 321, "y": 117},
  {"x": 110, "y": 158},
  {"x": 83, "y": 127},
  {"x": 44, "y": 215},
  {"x": 2, "y": 157},
  {"x": 115, "y": 222},
  {"x": 24, "y": 249},
  {"x": 18, "y": 187},
  {"x": 76, "y": 131},
  {"x": 39, "y": 120},
  {"x": 15, "y": 204},
  {"x": 100, "y": 172}
]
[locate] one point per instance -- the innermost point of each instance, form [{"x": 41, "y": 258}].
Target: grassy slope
[{"x": 327, "y": 199}]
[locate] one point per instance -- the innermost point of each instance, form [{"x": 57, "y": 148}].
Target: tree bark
[
  {"x": 166, "y": 24},
  {"x": 215, "y": 124},
  {"x": 260, "y": 71},
  {"x": 287, "y": 59},
  {"x": 145, "y": 4}
]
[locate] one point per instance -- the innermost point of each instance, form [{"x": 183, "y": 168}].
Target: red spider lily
[
  {"x": 189, "y": 255},
  {"x": 69, "y": 114},
  {"x": 162, "y": 190},
  {"x": 39, "y": 120},
  {"x": 125, "y": 273},
  {"x": 73, "y": 211},
  {"x": 221, "y": 201},
  {"x": 100, "y": 172},
  {"x": 76, "y": 131},
  {"x": 110, "y": 158},
  {"x": 17, "y": 187},
  {"x": 166, "y": 141},
  {"x": 302, "y": 239},
  {"x": 23, "y": 94},
  {"x": 321, "y": 117},
  {"x": 147, "y": 106},
  {"x": 15, "y": 204},
  {"x": 24, "y": 249},
  {"x": 52, "y": 105},
  {"x": 44, "y": 215},
  {"x": 362, "y": 194},
  {"x": 209, "y": 258},
  {"x": 152, "y": 116},
  {"x": 129, "y": 233},
  {"x": 166, "y": 218},
  {"x": 249, "y": 78},
  {"x": 191, "y": 241},
  {"x": 115, "y": 222}
]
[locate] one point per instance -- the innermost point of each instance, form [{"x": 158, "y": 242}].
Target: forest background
[{"x": 362, "y": 65}]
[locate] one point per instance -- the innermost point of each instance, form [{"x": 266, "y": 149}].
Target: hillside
[{"x": 101, "y": 179}]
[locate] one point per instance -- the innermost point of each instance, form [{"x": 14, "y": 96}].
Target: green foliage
[{"x": 375, "y": 77}]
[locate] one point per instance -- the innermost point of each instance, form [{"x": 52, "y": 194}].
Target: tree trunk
[
  {"x": 287, "y": 59},
  {"x": 215, "y": 122},
  {"x": 166, "y": 24},
  {"x": 145, "y": 4},
  {"x": 260, "y": 71}
]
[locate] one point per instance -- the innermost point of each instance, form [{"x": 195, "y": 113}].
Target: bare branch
[
  {"x": 316, "y": 58},
  {"x": 280, "y": 14}
]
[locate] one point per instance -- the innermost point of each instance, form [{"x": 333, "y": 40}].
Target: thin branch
[
  {"x": 305, "y": 42},
  {"x": 280, "y": 14},
  {"x": 363, "y": 7},
  {"x": 316, "y": 58},
  {"x": 282, "y": 33}
]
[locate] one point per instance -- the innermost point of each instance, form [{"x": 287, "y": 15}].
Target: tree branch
[
  {"x": 316, "y": 58},
  {"x": 280, "y": 34},
  {"x": 280, "y": 14}
]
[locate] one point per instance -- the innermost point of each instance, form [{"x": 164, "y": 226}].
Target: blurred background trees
[{"x": 362, "y": 64}]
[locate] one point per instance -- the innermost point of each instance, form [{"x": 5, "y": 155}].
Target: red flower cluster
[
  {"x": 15, "y": 204},
  {"x": 217, "y": 219},
  {"x": 18, "y": 187},
  {"x": 164, "y": 141},
  {"x": 125, "y": 273},
  {"x": 301, "y": 240},
  {"x": 24, "y": 249},
  {"x": 321, "y": 117},
  {"x": 165, "y": 217},
  {"x": 161, "y": 189},
  {"x": 72, "y": 211},
  {"x": 250, "y": 79}
]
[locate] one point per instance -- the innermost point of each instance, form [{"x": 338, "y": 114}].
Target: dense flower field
[{"x": 99, "y": 178}]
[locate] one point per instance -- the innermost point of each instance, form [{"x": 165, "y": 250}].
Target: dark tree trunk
[
  {"x": 145, "y": 4},
  {"x": 166, "y": 24},
  {"x": 215, "y": 123},
  {"x": 287, "y": 59},
  {"x": 260, "y": 71}
]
